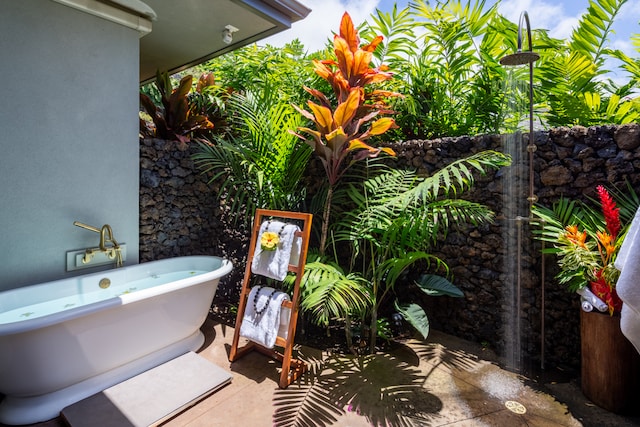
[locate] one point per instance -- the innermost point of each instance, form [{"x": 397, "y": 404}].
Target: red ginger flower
[
  {"x": 611, "y": 212},
  {"x": 606, "y": 293}
]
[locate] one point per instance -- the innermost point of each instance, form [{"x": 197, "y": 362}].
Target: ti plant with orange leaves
[
  {"x": 176, "y": 120},
  {"x": 342, "y": 129},
  {"x": 586, "y": 241}
]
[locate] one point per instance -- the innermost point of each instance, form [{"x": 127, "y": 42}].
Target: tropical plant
[
  {"x": 338, "y": 139},
  {"x": 631, "y": 65},
  {"x": 209, "y": 99},
  {"x": 397, "y": 218},
  {"x": 586, "y": 241},
  {"x": 260, "y": 164},
  {"x": 176, "y": 119},
  {"x": 249, "y": 68},
  {"x": 399, "y": 38},
  {"x": 572, "y": 73},
  {"x": 451, "y": 80}
]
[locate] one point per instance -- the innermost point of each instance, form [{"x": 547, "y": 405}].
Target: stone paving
[{"x": 442, "y": 382}]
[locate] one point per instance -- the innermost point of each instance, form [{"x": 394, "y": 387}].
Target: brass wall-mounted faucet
[{"x": 106, "y": 236}]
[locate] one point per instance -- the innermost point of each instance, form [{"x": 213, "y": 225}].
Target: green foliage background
[{"x": 445, "y": 59}]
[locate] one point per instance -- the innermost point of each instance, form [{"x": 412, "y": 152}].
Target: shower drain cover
[{"x": 515, "y": 407}]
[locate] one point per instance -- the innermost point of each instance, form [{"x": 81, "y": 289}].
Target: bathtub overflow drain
[
  {"x": 515, "y": 407},
  {"x": 104, "y": 283}
]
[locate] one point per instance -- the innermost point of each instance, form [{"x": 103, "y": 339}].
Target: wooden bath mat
[{"x": 151, "y": 397}]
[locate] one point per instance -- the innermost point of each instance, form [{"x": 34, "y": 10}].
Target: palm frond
[
  {"x": 261, "y": 165},
  {"x": 328, "y": 293},
  {"x": 399, "y": 38},
  {"x": 594, "y": 27},
  {"x": 552, "y": 221},
  {"x": 392, "y": 269}
]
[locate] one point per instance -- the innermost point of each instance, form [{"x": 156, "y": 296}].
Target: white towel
[
  {"x": 586, "y": 305},
  {"x": 275, "y": 264},
  {"x": 263, "y": 328},
  {"x": 628, "y": 285},
  {"x": 589, "y": 296}
]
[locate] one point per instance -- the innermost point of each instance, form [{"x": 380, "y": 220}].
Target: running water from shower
[{"x": 517, "y": 203}]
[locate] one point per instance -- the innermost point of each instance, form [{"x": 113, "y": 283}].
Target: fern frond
[{"x": 455, "y": 177}]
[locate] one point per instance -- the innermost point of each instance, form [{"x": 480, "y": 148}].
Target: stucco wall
[{"x": 69, "y": 133}]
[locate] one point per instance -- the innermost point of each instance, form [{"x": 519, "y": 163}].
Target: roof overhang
[
  {"x": 188, "y": 32},
  {"x": 178, "y": 34}
]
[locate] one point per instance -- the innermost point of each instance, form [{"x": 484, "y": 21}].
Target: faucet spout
[{"x": 106, "y": 235}]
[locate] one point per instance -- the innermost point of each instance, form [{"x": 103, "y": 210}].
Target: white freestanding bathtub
[{"x": 65, "y": 340}]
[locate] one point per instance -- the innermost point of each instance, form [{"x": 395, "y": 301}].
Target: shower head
[{"x": 520, "y": 58}]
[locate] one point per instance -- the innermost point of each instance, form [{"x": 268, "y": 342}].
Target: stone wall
[
  {"x": 180, "y": 215},
  {"x": 568, "y": 162}
]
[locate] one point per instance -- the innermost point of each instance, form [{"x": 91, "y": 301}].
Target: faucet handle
[{"x": 86, "y": 227}]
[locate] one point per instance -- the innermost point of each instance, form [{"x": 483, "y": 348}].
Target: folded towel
[
  {"x": 275, "y": 264},
  {"x": 263, "y": 317},
  {"x": 628, "y": 285}
]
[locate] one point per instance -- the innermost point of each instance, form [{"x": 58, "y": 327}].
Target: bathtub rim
[{"x": 27, "y": 325}]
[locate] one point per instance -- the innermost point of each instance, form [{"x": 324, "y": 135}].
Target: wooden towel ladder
[{"x": 291, "y": 368}]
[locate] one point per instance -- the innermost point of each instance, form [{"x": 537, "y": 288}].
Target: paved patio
[{"x": 446, "y": 381}]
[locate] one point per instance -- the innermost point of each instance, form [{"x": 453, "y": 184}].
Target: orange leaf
[
  {"x": 319, "y": 96},
  {"x": 344, "y": 56},
  {"x": 382, "y": 125},
  {"x": 348, "y": 32},
  {"x": 356, "y": 144},
  {"x": 322, "y": 116},
  {"x": 304, "y": 112},
  {"x": 346, "y": 111},
  {"x": 321, "y": 69},
  {"x": 385, "y": 93},
  {"x": 388, "y": 150},
  {"x": 373, "y": 45},
  {"x": 361, "y": 61},
  {"x": 336, "y": 140},
  {"x": 377, "y": 77},
  {"x": 205, "y": 80}
]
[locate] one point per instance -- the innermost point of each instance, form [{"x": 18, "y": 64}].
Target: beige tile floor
[{"x": 443, "y": 382}]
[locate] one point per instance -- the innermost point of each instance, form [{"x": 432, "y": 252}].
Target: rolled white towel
[
  {"x": 589, "y": 296},
  {"x": 586, "y": 305}
]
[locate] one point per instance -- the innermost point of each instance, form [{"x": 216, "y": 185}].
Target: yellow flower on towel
[{"x": 269, "y": 241}]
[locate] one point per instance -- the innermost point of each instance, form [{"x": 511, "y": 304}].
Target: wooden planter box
[{"x": 610, "y": 364}]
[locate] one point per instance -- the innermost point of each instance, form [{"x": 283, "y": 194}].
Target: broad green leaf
[
  {"x": 415, "y": 315},
  {"x": 434, "y": 285}
]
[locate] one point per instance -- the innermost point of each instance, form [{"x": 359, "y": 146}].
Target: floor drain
[{"x": 515, "y": 407}]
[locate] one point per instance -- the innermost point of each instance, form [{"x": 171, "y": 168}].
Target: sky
[{"x": 559, "y": 17}]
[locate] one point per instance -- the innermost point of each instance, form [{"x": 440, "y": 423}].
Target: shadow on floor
[{"x": 443, "y": 381}]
